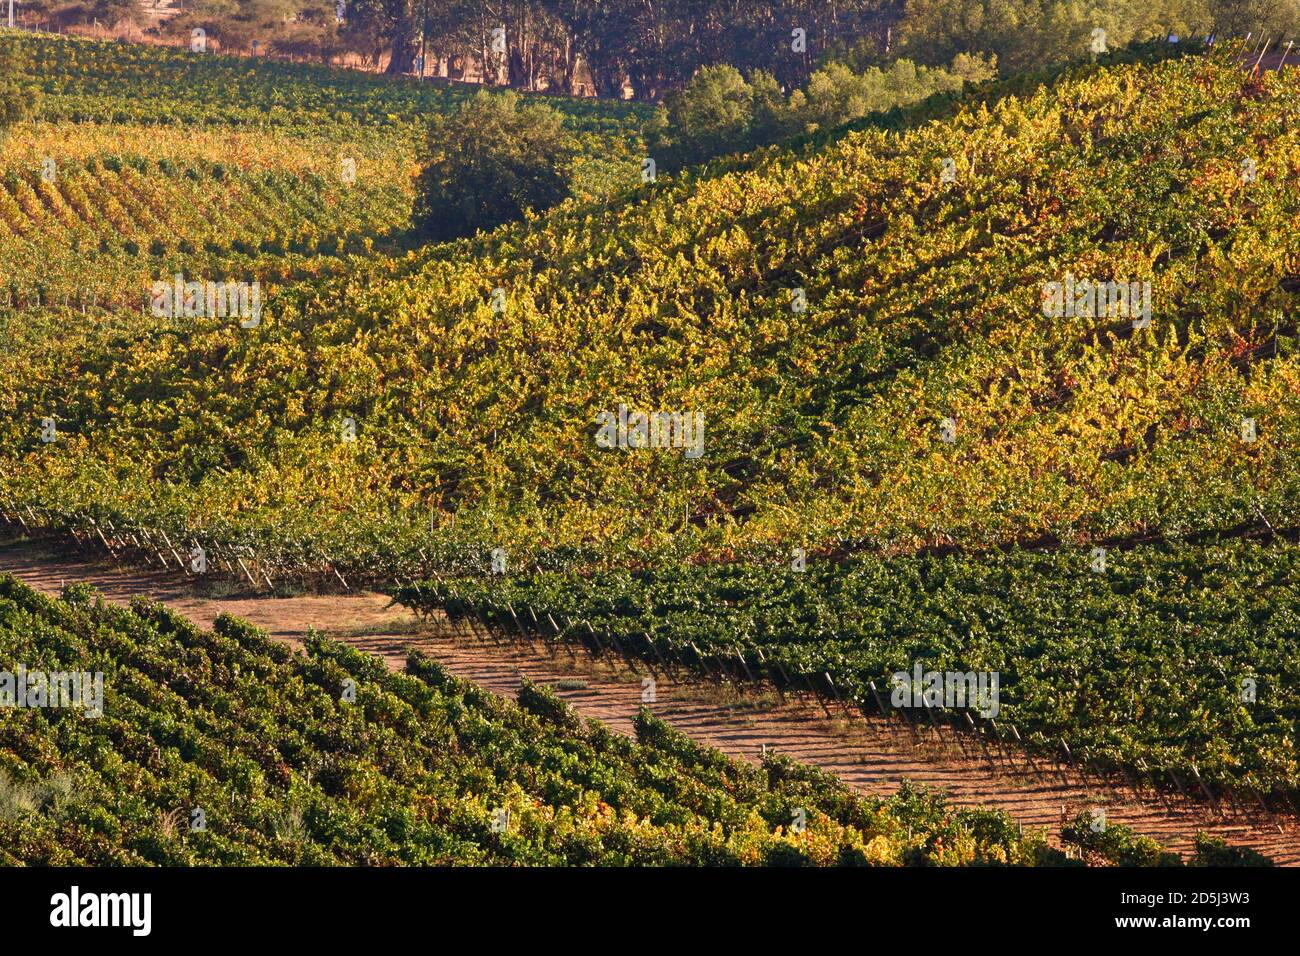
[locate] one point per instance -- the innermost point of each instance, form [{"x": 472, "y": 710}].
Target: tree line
[{"x": 645, "y": 49}]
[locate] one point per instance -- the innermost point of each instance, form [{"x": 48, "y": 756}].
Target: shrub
[
  {"x": 490, "y": 163},
  {"x": 1214, "y": 851}
]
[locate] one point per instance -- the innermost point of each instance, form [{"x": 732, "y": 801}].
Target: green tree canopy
[
  {"x": 489, "y": 163},
  {"x": 720, "y": 112},
  {"x": 711, "y": 116}
]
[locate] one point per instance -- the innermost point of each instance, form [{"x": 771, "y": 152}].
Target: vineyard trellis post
[
  {"x": 561, "y": 640},
  {"x": 598, "y": 654},
  {"x": 1024, "y": 749},
  {"x": 1181, "y": 789},
  {"x": 612, "y": 638},
  {"x": 812, "y": 689},
  {"x": 741, "y": 657},
  {"x": 970, "y": 726},
  {"x": 934, "y": 725},
  {"x": 655, "y": 650},
  {"x": 1214, "y": 803},
  {"x": 764, "y": 669},
  {"x": 836, "y": 694},
  {"x": 477, "y": 623}
]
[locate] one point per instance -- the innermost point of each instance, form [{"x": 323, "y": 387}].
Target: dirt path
[{"x": 873, "y": 756}]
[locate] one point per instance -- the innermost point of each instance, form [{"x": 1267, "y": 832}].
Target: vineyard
[
  {"x": 909, "y": 454},
  {"x": 1174, "y": 669},
  {"x": 121, "y": 83},
  {"x": 324, "y": 757},
  {"x": 474, "y": 413},
  {"x": 137, "y": 167}
]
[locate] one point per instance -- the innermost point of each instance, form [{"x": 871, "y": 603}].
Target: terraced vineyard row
[
  {"x": 1174, "y": 666},
  {"x": 105, "y": 231},
  {"x": 120, "y": 83},
  {"x": 222, "y": 747}
]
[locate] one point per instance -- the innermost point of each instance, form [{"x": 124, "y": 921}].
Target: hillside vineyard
[
  {"x": 920, "y": 399},
  {"x": 973, "y": 420},
  {"x": 254, "y": 755}
]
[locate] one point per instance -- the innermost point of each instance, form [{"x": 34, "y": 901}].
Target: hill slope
[
  {"x": 915, "y": 429},
  {"x": 326, "y": 758},
  {"x": 141, "y": 162},
  {"x": 824, "y": 428}
]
